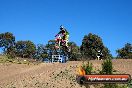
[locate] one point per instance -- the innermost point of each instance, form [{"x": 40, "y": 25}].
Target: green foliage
[
  {"x": 107, "y": 67},
  {"x": 11, "y": 52},
  {"x": 3, "y": 59},
  {"x": 74, "y": 51},
  {"x": 125, "y": 52},
  {"x": 41, "y": 52},
  {"x": 51, "y": 48},
  {"x": 88, "y": 68},
  {"x": 6, "y": 59},
  {"x": 25, "y": 49},
  {"x": 7, "y": 42},
  {"x": 91, "y": 44},
  {"x": 73, "y": 54}
]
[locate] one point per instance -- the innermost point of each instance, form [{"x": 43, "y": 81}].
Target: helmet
[{"x": 61, "y": 27}]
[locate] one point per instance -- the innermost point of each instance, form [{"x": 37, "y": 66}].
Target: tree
[
  {"x": 41, "y": 52},
  {"x": 107, "y": 67},
  {"x": 25, "y": 49},
  {"x": 125, "y": 52},
  {"x": 74, "y": 51},
  {"x": 51, "y": 48},
  {"x": 73, "y": 54},
  {"x": 91, "y": 45},
  {"x": 7, "y": 42}
]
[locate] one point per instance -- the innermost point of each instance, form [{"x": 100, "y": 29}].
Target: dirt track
[{"x": 49, "y": 75}]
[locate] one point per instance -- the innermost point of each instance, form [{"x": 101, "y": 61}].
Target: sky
[{"x": 39, "y": 20}]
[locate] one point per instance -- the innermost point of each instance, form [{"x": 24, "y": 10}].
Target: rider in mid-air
[{"x": 64, "y": 36}]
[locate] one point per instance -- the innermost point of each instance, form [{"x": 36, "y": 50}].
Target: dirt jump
[{"x": 50, "y": 75}]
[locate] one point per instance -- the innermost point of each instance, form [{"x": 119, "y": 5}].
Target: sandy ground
[{"x": 50, "y": 75}]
